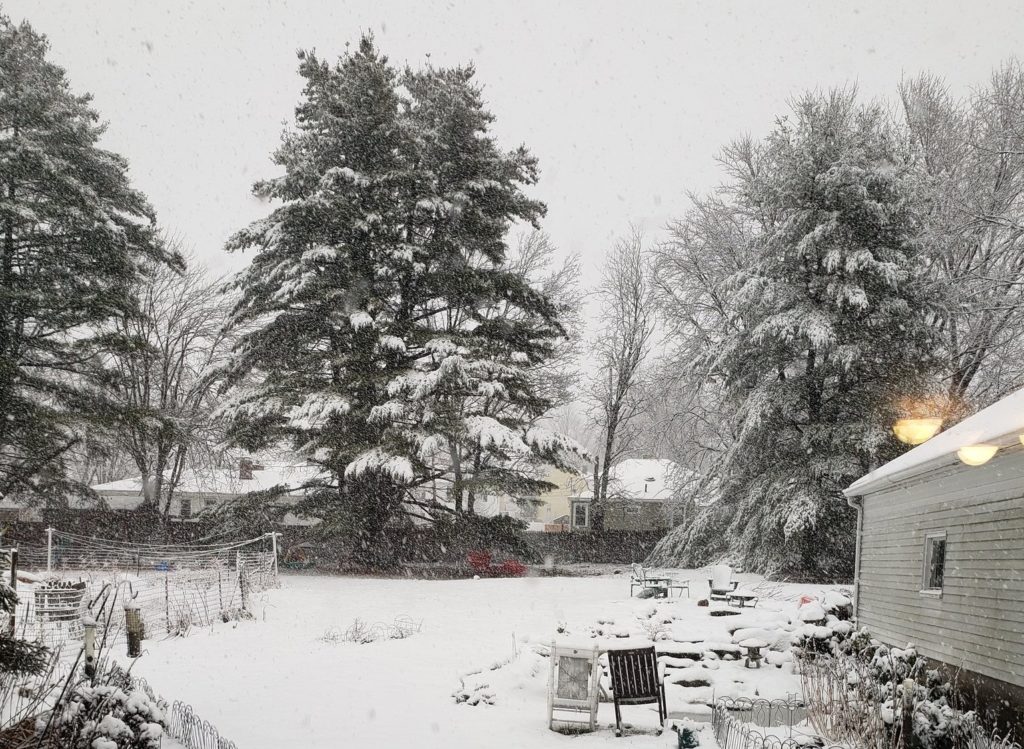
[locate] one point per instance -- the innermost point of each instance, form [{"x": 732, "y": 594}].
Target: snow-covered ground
[{"x": 285, "y": 681}]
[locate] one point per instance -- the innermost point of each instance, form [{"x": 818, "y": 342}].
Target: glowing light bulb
[
  {"x": 916, "y": 431},
  {"x": 976, "y": 455}
]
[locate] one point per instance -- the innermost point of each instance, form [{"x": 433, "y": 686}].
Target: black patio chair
[{"x": 636, "y": 681}]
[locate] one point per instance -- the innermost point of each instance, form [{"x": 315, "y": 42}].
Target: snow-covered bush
[
  {"x": 112, "y": 714},
  {"x": 867, "y": 681}
]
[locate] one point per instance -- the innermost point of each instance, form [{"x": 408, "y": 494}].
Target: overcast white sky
[{"x": 624, "y": 106}]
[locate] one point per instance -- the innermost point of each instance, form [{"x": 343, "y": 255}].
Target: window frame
[
  {"x": 586, "y": 514},
  {"x": 929, "y": 541}
]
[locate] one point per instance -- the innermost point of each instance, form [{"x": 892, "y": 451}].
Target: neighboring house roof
[
  {"x": 639, "y": 479},
  {"x": 1000, "y": 424},
  {"x": 223, "y": 481}
]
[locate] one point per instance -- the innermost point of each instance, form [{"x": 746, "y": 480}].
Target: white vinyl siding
[{"x": 976, "y": 620}]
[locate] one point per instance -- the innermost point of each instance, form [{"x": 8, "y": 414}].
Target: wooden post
[
  {"x": 243, "y": 585},
  {"x": 907, "y": 718},
  {"x": 49, "y": 550}
]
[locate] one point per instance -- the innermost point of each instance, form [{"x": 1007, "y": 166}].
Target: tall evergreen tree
[
  {"x": 371, "y": 346},
  {"x": 74, "y": 237},
  {"x": 828, "y": 335},
  {"x": 840, "y": 333}
]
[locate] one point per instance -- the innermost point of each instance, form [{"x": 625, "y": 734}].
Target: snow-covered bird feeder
[
  {"x": 573, "y": 684},
  {"x": 133, "y": 625}
]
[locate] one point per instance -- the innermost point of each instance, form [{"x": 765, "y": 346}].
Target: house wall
[
  {"x": 635, "y": 516},
  {"x": 118, "y": 500},
  {"x": 556, "y": 502},
  {"x": 978, "y": 622}
]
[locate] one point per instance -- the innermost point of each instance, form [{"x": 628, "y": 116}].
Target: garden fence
[
  {"x": 174, "y": 587},
  {"x": 758, "y": 724}
]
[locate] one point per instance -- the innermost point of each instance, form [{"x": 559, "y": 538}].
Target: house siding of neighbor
[
  {"x": 973, "y": 620},
  {"x": 640, "y": 498},
  {"x": 199, "y": 490}
]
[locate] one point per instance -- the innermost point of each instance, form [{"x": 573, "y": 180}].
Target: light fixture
[
  {"x": 976, "y": 455},
  {"x": 916, "y": 431}
]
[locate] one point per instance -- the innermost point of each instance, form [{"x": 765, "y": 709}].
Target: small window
[
  {"x": 580, "y": 515},
  {"x": 186, "y": 509},
  {"x": 934, "y": 563},
  {"x": 632, "y": 509}
]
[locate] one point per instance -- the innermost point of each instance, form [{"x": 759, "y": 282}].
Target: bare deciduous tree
[
  {"x": 167, "y": 380},
  {"x": 620, "y": 348},
  {"x": 971, "y": 154}
]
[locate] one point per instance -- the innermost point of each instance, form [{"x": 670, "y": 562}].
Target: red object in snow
[
  {"x": 512, "y": 568},
  {"x": 480, "y": 561},
  {"x": 805, "y": 600}
]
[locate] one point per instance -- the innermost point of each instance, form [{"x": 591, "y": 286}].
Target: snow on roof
[
  {"x": 639, "y": 479},
  {"x": 224, "y": 480},
  {"x": 1000, "y": 424}
]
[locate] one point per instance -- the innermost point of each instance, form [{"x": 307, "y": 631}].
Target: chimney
[{"x": 245, "y": 469}]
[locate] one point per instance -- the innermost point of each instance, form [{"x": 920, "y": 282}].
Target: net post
[
  {"x": 49, "y": 550},
  {"x": 12, "y": 626},
  {"x": 273, "y": 543}
]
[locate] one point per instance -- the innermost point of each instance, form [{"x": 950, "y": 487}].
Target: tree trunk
[{"x": 453, "y": 451}]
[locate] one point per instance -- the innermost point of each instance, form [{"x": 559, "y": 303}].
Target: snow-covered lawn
[{"x": 279, "y": 682}]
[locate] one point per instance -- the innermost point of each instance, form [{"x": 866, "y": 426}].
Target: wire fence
[
  {"x": 748, "y": 724},
  {"x": 173, "y": 587}
]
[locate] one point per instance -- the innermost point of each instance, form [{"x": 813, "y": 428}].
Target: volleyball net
[{"x": 174, "y": 587}]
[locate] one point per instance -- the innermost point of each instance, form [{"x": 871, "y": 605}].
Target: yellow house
[{"x": 552, "y": 507}]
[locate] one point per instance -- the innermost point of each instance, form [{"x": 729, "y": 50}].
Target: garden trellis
[{"x": 174, "y": 586}]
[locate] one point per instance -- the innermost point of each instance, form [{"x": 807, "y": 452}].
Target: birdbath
[{"x": 753, "y": 647}]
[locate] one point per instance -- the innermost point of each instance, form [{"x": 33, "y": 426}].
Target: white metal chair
[
  {"x": 721, "y": 582},
  {"x": 573, "y": 685}
]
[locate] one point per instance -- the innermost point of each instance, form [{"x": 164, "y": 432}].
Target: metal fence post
[
  {"x": 14, "y": 587},
  {"x": 273, "y": 539},
  {"x": 49, "y": 550}
]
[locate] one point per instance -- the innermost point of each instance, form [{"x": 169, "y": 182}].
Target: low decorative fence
[
  {"x": 185, "y": 726},
  {"x": 192, "y": 731},
  {"x": 747, "y": 724}
]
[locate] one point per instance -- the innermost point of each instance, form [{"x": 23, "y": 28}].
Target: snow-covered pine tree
[
  {"x": 468, "y": 405},
  {"x": 368, "y": 346},
  {"x": 835, "y": 333},
  {"x": 316, "y": 301},
  {"x": 74, "y": 237}
]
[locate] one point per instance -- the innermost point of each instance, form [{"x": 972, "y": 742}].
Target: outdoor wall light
[
  {"x": 916, "y": 431},
  {"x": 976, "y": 455}
]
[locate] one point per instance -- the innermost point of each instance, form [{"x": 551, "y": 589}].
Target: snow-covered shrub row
[{"x": 870, "y": 675}]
